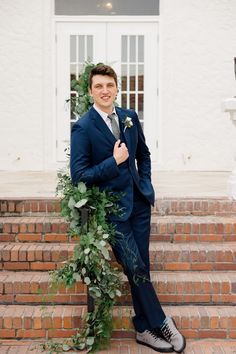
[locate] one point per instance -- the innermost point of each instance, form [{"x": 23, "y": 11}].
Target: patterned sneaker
[
  {"x": 171, "y": 334},
  {"x": 151, "y": 339}
]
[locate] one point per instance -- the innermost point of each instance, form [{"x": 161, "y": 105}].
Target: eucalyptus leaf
[
  {"x": 81, "y": 187},
  {"x": 66, "y": 347},
  {"x": 80, "y": 203},
  {"x": 90, "y": 341},
  {"x": 87, "y": 280},
  {"x": 71, "y": 203},
  {"x": 77, "y": 276},
  {"x": 105, "y": 254}
]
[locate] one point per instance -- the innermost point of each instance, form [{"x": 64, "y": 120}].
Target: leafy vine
[{"x": 91, "y": 261}]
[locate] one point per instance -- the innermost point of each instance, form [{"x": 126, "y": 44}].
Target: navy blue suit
[{"x": 92, "y": 162}]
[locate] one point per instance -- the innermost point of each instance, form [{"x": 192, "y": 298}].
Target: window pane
[
  {"x": 124, "y": 48},
  {"x": 141, "y": 48},
  {"x": 132, "y": 77},
  {"x": 132, "y": 47},
  {"x": 140, "y": 77},
  {"x": 140, "y": 106},
  {"x": 81, "y": 48},
  {"x": 90, "y": 48},
  {"x": 132, "y": 101},
  {"x": 107, "y": 7},
  {"x": 124, "y": 77},
  {"x": 124, "y": 100},
  {"x": 72, "y": 71},
  {"x": 73, "y": 48}
]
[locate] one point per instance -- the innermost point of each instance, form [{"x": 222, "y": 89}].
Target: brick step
[
  {"x": 193, "y": 228},
  {"x": 163, "y": 206},
  {"x": 195, "y": 206},
  {"x": 124, "y": 346},
  {"x": 24, "y": 321},
  {"x": 163, "y": 256},
  {"x": 34, "y": 229},
  {"x": 34, "y": 288},
  {"x": 29, "y": 206},
  {"x": 163, "y": 228},
  {"x": 184, "y": 287}
]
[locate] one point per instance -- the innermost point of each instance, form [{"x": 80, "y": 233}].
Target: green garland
[{"x": 91, "y": 260}]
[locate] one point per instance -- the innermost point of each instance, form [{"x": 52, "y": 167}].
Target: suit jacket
[{"x": 92, "y": 160}]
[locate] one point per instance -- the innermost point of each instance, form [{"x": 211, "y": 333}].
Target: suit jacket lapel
[
  {"x": 124, "y": 132},
  {"x": 101, "y": 125}
]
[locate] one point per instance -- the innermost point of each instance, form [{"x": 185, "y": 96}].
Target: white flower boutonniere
[{"x": 128, "y": 123}]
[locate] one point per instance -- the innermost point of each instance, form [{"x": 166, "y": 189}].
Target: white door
[{"x": 131, "y": 49}]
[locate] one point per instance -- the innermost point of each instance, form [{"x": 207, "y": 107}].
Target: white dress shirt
[{"x": 104, "y": 116}]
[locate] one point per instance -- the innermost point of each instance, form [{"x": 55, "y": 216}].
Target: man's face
[{"x": 103, "y": 91}]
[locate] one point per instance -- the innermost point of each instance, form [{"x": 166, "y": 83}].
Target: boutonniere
[{"x": 128, "y": 123}]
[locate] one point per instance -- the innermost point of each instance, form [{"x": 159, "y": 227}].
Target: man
[{"x": 108, "y": 149}]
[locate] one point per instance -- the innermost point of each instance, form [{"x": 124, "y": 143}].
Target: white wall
[
  {"x": 198, "y": 44},
  {"x": 25, "y": 84}
]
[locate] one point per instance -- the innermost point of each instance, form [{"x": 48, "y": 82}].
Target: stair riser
[
  {"x": 168, "y": 292},
  {"x": 36, "y": 257},
  {"x": 30, "y": 206},
  {"x": 20, "y": 231},
  {"x": 194, "y": 206},
  {"x": 28, "y": 322},
  {"x": 167, "y": 206}
]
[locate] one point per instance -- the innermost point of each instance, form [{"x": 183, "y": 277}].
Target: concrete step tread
[
  {"x": 125, "y": 346},
  {"x": 79, "y": 310},
  {"x": 167, "y": 276},
  {"x": 190, "y": 219},
  {"x": 155, "y": 219},
  {"x": 31, "y": 219},
  {"x": 154, "y": 246}
]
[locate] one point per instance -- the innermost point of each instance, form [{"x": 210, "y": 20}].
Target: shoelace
[
  {"x": 167, "y": 333},
  {"x": 154, "y": 334}
]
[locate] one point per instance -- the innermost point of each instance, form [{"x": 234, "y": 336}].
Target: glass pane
[
  {"x": 124, "y": 48},
  {"x": 73, "y": 48},
  {"x": 81, "y": 48},
  {"x": 107, "y": 7},
  {"x": 132, "y": 101},
  {"x": 132, "y": 77},
  {"x": 123, "y": 77},
  {"x": 141, "y": 48},
  {"x": 72, "y": 71},
  {"x": 140, "y": 77},
  {"x": 140, "y": 106},
  {"x": 124, "y": 100},
  {"x": 132, "y": 47},
  {"x": 90, "y": 48}
]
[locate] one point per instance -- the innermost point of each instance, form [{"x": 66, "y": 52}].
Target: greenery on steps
[{"x": 91, "y": 259}]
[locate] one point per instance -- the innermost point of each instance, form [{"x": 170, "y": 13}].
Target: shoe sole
[
  {"x": 184, "y": 345},
  {"x": 161, "y": 350}
]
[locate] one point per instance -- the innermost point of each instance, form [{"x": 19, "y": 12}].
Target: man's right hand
[{"x": 120, "y": 152}]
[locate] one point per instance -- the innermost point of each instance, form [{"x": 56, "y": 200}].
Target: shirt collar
[{"x": 103, "y": 114}]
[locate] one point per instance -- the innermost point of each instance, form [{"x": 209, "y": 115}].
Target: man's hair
[{"x": 102, "y": 69}]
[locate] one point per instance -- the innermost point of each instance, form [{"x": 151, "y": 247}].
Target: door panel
[{"x": 131, "y": 49}]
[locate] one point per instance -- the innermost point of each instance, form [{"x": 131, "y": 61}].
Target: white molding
[{"x": 130, "y": 19}]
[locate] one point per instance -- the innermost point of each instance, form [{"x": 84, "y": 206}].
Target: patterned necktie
[{"x": 114, "y": 126}]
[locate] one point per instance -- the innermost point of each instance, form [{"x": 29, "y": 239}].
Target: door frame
[{"x": 112, "y": 19}]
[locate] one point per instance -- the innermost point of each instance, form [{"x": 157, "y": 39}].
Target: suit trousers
[{"x": 131, "y": 249}]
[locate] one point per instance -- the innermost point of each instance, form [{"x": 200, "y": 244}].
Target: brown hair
[{"x": 102, "y": 69}]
